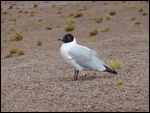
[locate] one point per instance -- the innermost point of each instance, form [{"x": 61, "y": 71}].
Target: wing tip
[{"x": 110, "y": 70}]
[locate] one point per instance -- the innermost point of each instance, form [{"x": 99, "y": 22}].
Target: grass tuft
[
  {"x": 20, "y": 11},
  {"x": 112, "y": 13},
  {"x": 53, "y": 5},
  {"x": 69, "y": 27},
  {"x": 14, "y": 51},
  {"x": 108, "y": 17},
  {"x": 59, "y": 11},
  {"x": 98, "y": 20},
  {"x": 35, "y": 5},
  {"x": 140, "y": 9},
  {"x": 49, "y": 27},
  {"x": 2, "y": 21},
  {"x": 38, "y": 43},
  {"x": 105, "y": 29},
  {"x": 70, "y": 21},
  {"x": 144, "y": 14},
  {"x": 17, "y": 36},
  {"x": 10, "y": 7},
  {"x": 8, "y": 56},
  {"x": 120, "y": 82},
  {"x": 4, "y": 12},
  {"x": 93, "y": 32},
  {"x": 85, "y": 8},
  {"x": 78, "y": 14},
  {"x": 132, "y": 6},
  {"x": 116, "y": 64},
  {"x": 137, "y": 23},
  {"x": 20, "y": 52},
  {"x": 132, "y": 18}
]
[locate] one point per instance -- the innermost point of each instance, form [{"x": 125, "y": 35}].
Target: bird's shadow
[{"x": 93, "y": 76}]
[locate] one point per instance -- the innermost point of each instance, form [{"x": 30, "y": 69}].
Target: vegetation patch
[
  {"x": 69, "y": 27},
  {"x": 17, "y": 36},
  {"x": 98, "y": 20},
  {"x": 93, "y": 32}
]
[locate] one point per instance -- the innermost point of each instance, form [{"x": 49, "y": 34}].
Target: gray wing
[{"x": 86, "y": 58}]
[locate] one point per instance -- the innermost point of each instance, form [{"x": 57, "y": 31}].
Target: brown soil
[{"x": 41, "y": 81}]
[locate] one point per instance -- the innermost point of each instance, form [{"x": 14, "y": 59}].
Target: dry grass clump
[
  {"x": 69, "y": 27},
  {"x": 132, "y": 18},
  {"x": 31, "y": 12},
  {"x": 11, "y": 6},
  {"x": 26, "y": 12},
  {"x": 59, "y": 11},
  {"x": 105, "y": 29},
  {"x": 4, "y": 12},
  {"x": 12, "y": 28},
  {"x": 98, "y": 20},
  {"x": 76, "y": 14},
  {"x": 17, "y": 36},
  {"x": 116, "y": 64},
  {"x": 12, "y": 19},
  {"x": 140, "y": 9},
  {"x": 35, "y": 5},
  {"x": 53, "y": 5},
  {"x": 132, "y": 6},
  {"x": 20, "y": 11},
  {"x": 93, "y": 32},
  {"x": 105, "y": 3},
  {"x": 38, "y": 43},
  {"x": 144, "y": 14},
  {"x": 38, "y": 23},
  {"x": 2, "y": 21},
  {"x": 49, "y": 27},
  {"x": 112, "y": 13},
  {"x": 8, "y": 56},
  {"x": 137, "y": 23},
  {"x": 108, "y": 17},
  {"x": 119, "y": 82},
  {"x": 85, "y": 7},
  {"x": 70, "y": 21},
  {"x": 14, "y": 52},
  {"x": 20, "y": 52},
  {"x": 59, "y": 8}
]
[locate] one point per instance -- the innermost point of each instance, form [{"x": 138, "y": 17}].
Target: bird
[{"x": 81, "y": 57}]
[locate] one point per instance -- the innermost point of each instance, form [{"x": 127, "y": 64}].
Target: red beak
[{"x": 60, "y": 39}]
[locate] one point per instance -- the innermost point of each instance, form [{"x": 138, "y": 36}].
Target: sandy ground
[{"x": 40, "y": 80}]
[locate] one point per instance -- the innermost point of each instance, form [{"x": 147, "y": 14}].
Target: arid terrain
[{"x": 35, "y": 78}]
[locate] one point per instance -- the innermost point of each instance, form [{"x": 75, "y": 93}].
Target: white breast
[{"x": 65, "y": 48}]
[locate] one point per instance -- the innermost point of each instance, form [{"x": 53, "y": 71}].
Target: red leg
[{"x": 76, "y": 75}]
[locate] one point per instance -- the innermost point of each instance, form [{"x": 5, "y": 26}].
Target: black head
[{"x": 67, "y": 38}]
